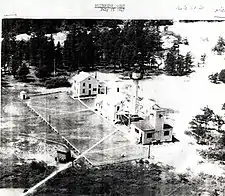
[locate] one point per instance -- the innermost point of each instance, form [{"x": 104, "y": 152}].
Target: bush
[
  {"x": 57, "y": 82},
  {"x": 214, "y": 78},
  {"x": 22, "y": 71},
  {"x": 222, "y": 76},
  {"x": 42, "y": 71}
]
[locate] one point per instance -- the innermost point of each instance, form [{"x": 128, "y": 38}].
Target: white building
[
  {"x": 84, "y": 84},
  {"x": 23, "y": 95},
  {"x": 110, "y": 105},
  {"x": 113, "y": 87},
  {"x": 152, "y": 129}
]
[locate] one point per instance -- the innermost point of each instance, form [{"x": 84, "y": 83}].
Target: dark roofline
[
  {"x": 167, "y": 126},
  {"x": 63, "y": 152}
]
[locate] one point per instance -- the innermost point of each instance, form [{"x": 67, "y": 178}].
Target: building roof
[
  {"x": 167, "y": 126},
  {"x": 82, "y": 76},
  {"x": 111, "y": 98},
  {"x": 23, "y": 92},
  {"x": 114, "y": 98},
  {"x": 144, "y": 125}
]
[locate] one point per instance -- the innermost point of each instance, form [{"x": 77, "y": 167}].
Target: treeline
[
  {"x": 19, "y": 26},
  {"x": 90, "y": 43},
  {"x": 114, "y": 44}
]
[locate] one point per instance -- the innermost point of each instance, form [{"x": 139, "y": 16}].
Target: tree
[
  {"x": 214, "y": 78},
  {"x": 199, "y": 123},
  {"x": 42, "y": 71},
  {"x": 58, "y": 56},
  {"x": 23, "y": 71},
  {"x": 188, "y": 63},
  {"x": 222, "y": 76},
  {"x": 170, "y": 63},
  {"x": 218, "y": 121},
  {"x": 220, "y": 46},
  {"x": 203, "y": 58},
  {"x": 177, "y": 64}
]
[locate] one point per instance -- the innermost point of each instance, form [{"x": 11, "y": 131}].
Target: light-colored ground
[
  {"x": 187, "y": 95},
  {"x": 24, "y": 137}
]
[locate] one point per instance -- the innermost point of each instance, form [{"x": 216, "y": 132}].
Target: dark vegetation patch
[
  {"x": 25, "y": 175},
  {"x": 119, "y": 179}
]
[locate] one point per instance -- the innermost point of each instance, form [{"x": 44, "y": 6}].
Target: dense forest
[{"x": 90, "y": 44}]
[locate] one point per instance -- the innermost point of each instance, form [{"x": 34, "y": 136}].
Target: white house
[
  {"x": 152, "y": 129},
  {"x": 114, "y": 87},
  {"x": 109, "y": 105},
  {"x": 84, "y": 84}
]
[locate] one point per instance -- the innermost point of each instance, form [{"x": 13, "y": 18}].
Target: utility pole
[
  {"x": 149, "y": 151},
  {"x": 54, "y": 67}
]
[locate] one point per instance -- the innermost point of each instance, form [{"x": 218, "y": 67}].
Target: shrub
[
  {"x": 42, "y": 71},
  {"x": 214, "y": 78},
  {"x": 57, "y": 82},
  {"x": 222, "y": 76}
]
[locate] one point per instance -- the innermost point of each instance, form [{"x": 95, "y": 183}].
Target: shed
[
  {"x": 23, "y": 95},
  {"x": 63, "y": 156}
]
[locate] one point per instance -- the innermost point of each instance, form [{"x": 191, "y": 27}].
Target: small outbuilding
[
  {"x": 23, "y": 95},
  {"x": 63, "y": 156}
]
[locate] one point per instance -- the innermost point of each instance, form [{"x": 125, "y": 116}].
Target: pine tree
[
  {"x": 221, "y": 76},
  {"x": 220, "y": 46},
  {"x": 170, "y": 63},
  {"x": 23, "y": 71},
  {"x": 188, "y": 63},
  {"x": 58, "y": 56}
]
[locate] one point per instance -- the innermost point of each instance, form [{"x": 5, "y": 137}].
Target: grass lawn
[
  {"x": 24, "y": 137},
  {"x": 81, "y": 126},
  {"x": 112, "y": 149},
  {"x": 84, "y": 128}
]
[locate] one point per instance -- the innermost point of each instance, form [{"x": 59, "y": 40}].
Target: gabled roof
[
  {"x": 82, "y": 76},
  {"x": 23, "y": 92},
  {"x": 144, "y": 125},
  {"x": 167, "y": 126}
]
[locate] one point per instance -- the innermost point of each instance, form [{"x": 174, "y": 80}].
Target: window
[
  {"x": 136, "y": 130},
  {"x": 83, "y": 90},
  {"x": 89, "y": 85},
  {"x": 160, "y": 115},
  {"x": 117, "y": 108},
  {"x": 84, "y": 84},
  {"x": 118, "y": 89},
  {"x": 166, "y": 133},
  {"x": 94, "y": 89},
  {"x": 149, "y": 135},
  {"x": 88, "y": 78}
]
